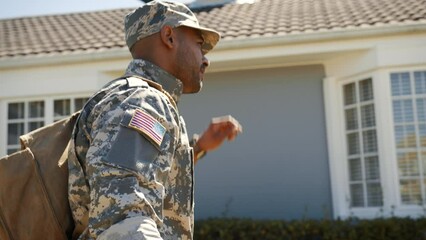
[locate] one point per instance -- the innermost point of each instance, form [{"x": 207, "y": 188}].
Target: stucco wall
[{"x": 278, "y": 167}]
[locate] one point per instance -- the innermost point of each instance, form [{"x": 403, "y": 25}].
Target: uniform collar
[{"x": 153, "y": 72}]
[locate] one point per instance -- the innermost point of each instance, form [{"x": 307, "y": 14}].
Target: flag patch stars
[{"x": 148, "y": 126}]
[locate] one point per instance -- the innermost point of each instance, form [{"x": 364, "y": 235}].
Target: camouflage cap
[{"x": 151, "y": 17}]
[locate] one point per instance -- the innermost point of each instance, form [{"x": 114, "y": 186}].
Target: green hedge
[{"x": 351, "y": 229}]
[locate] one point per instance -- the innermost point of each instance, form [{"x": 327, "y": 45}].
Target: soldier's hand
[{"x": 220, "y": 128}]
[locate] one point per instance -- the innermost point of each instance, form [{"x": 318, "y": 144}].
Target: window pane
[
  {"x": 14, "y": 131},
  {"x": 372, "y": 169},
  {"x": 403, "y": 111},
  {"x": 424, "y": 163},
  {"x": 405, "y": 136},
  {"x": 36, "y": 109},
  {"x": 422, "y": 135},
  {"x": 350, "y": 94},
  {"x": 397, "y": 111},
  {"x": 424, "y": 190},
  {"x": 357, "y": 195},
  {"x": 421, "y": 110},
  {"x": 16, "y": 110},
  {"x": 408, "y": 165},
  {"x": 79, "y": 103},
  {"x": 374, "y": 195},
  {"x": 62, "y": 107},
  {"x": 400, "y": 84},
  {"x": 351, "y": 119},
  {"x": 411, "y": 136},
  {"x": 370, "y": 141},
  {"x": 12, "y": 150},
  {"x": 367, "y": 116},
  {"x": 410, "y": 192},
  {"x": 353, "y": 143},
  {"x": 34, "y": 125},
  {"x": 355, "y": 171},
  {"x": 420, "y": 82},
  {"x": 408, "y": 111},
  {"x": 366, "y": 90}
]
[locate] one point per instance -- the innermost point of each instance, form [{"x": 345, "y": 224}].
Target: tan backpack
[{"x": 34, "y": 186}]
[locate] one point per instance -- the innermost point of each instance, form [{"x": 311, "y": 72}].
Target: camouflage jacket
[{"x": 126, "y": 180}]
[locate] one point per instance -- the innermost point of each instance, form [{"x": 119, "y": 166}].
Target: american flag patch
[{"x": 148, "y": 126}]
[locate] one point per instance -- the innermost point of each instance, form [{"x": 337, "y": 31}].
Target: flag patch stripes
[{"x": 148, "y": 125}]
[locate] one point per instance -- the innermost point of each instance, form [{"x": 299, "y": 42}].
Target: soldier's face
[{"x": 190, "y": 60}]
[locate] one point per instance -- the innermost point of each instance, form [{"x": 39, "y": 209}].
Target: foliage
[{"x": 350, "y": 229}]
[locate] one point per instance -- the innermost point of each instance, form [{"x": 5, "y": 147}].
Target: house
[{"x": 331, "y": 95}]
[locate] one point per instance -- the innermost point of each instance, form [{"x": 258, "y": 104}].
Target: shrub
[{"x": 350, "y": 229}]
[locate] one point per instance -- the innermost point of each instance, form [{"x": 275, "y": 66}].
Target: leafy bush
[{"x": 351, "y": 229}]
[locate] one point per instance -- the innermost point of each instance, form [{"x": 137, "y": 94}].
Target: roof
[{"x": 103, "y": 30}]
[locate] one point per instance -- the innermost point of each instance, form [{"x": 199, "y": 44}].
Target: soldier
[{"x": 131, "y": 162}]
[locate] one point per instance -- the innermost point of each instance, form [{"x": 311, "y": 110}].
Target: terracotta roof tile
[{"x": 93, "y": 31}]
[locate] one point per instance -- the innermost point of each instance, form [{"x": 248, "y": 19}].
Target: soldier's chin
[
  {"x": 199, "y": 89},
  {"x": 193, "y": 89}
]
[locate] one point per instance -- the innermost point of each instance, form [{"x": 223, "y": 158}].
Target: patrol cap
[{"x": 151, "y": 17}]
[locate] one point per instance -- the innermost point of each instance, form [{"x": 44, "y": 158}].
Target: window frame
[{"x": 360, "y": 130}]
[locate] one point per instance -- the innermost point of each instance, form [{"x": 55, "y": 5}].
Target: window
[
  {"x": 376, "y": 133},
  {"x": 409, "y": 116},
  {"x": 26, "y": 116},
  {"x": 362, "y": 149}
]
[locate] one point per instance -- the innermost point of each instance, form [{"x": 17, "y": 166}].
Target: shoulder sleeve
[{"x": 132, "y": 147}]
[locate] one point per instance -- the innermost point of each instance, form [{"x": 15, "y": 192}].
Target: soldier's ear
[{"x": 168, "y": 36}]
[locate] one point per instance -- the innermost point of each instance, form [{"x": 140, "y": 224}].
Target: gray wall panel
[{"x": 278, "y": 167}]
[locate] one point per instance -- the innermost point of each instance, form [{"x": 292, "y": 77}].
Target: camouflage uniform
[{"x": 120, "y": 180}]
